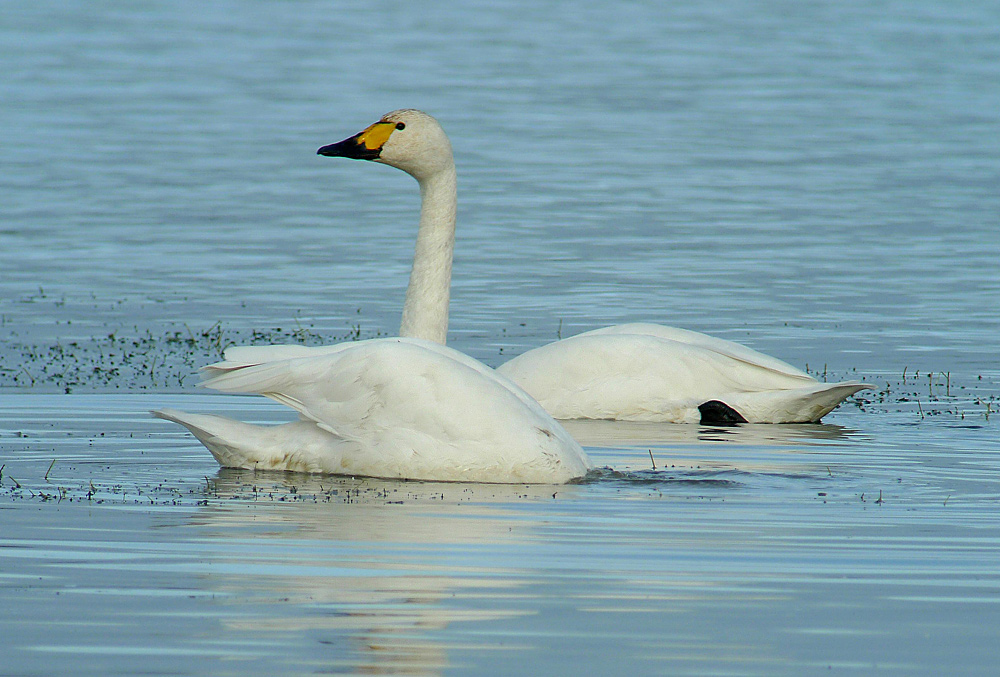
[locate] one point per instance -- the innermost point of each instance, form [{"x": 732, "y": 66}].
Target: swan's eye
[{"x": 400, "y": 125}]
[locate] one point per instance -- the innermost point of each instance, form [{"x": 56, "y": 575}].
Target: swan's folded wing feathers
[
  {"x": 636, "y": 367},
  {"x": 376, "y": 385},
  {"x": 722, "y": 347},
  {"x": 325, "y": 388},
  {"x": 236, "y": 357}
]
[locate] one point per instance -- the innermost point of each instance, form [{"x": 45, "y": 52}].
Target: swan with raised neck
[
  {"x": 414, "y": 141},
  {"x": 402, "y": 407}
]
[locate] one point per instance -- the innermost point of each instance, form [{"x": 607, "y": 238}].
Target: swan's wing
[
  {"x": 244, "y": 356},
  {"x": 631, "y": 376},
  {"x": 412, "y": 408},
  {"x": 643, "y": 372},
  {"x": 730, "y": 349},
  {"x": 643, "y": 365},
  {"x": 238, "y": 357}
]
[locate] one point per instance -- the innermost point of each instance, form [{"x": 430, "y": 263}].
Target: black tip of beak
[
  {"x": 333, "y": 150},
  {"x": 349, "y": 148}
]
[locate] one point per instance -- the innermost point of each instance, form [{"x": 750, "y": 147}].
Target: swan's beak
[{"x": 366, "y": 145}]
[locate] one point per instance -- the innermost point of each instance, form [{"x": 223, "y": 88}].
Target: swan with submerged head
[{"x": 406, "y": 407}]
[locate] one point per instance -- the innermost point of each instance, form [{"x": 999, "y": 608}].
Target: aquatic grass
[
  {"x": 879, "y": 500},
  {"x": 246, "y": 487},
  {"x": 142, "y": 360},
  {"x": 936, "y": 396}
]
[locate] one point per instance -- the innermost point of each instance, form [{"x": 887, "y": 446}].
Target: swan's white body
[
  {"x": 396, "y": 408},
  {"x": 649, "y": 372}
]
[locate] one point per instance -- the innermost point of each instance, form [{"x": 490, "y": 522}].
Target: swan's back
[
  {"x": 410, "y": 409},
  {"x": 723, "y": 347},
  {"x": 648, "y": 372}
]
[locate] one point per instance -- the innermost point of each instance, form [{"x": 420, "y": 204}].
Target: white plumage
[
  {"x": 395, "y": 408},
  {"x": 401, "y": 407},
  {"x": 649, "y": 372}
]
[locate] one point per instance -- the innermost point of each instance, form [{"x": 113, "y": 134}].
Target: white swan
[
  {"x": 649, "y": 372},
  {"x": 401, "y": 407}
]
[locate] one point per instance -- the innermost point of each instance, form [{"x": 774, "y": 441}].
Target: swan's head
[{"x": 407, "y": 139}]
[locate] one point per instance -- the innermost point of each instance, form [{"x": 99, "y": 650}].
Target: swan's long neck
[{"x": 425, "y": 311}]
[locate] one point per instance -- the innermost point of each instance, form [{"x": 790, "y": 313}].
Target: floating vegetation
[
  {"x": 248, "y": 487},
  {"x": 926, "y": 393},
  {"x": 142, "y": 360}
]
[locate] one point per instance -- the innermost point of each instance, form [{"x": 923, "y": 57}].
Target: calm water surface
[{"x": 816, "y": 181}]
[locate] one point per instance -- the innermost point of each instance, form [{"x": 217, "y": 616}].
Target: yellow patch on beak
[{"x": 376, "y": 135}]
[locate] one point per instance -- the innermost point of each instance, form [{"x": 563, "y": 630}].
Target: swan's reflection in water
[
  {"x": 632, "y": 433},
  {"x": 663, "y": 452},
  {"x": 385, "y": 577},
  {"x": 371, "y": 569}
]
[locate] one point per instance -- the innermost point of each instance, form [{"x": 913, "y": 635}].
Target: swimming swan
[
  {"x": 649, "y": 372},
  {"x": 405, "y": 407}
]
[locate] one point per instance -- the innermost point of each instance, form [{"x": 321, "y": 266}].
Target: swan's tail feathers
[
  {"x": 224, "y": 437},
  {"x": 299, "y": 446},
  {"x": 796, "y": 405}
]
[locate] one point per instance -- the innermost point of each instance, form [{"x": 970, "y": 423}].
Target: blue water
[{"x": 817, "y": 181}]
